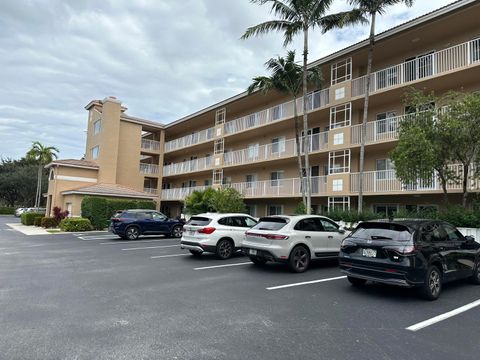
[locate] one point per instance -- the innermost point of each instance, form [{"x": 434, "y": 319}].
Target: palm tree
[
  {"x": 370, "y": 8},
  {"x": 42, "y": 155},
  {"x": 295, "y": 17},
  {"x": 287, "y": 78}
]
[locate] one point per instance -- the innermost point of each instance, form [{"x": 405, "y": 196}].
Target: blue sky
[{"x": 163, "y": 59}]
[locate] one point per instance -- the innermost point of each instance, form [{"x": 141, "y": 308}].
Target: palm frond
[
  {"x": 342, "y": 19},
  {"x": 266, "y": 27}
]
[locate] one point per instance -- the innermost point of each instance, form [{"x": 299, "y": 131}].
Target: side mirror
[
  {"x": 341, "y": 230},
  {"x": 470, "y": 239}
]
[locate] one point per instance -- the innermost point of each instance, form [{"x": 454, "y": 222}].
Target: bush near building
[
  {"x": 48, "y": 222},
  {"x": 75, "y": 224},
  {"x": 29, "y": 218},
  {"x": 7, "y": 210},
  {"x": 225, "y": 200},
  {"x": 38, "y": 221},
  {"x": 99, "y": 210}
]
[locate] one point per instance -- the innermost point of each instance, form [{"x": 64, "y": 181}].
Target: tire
[
  {"x": 195, "y": 253},
  {"x": 432, "y": 286},
  {"x": 475, "y": 278},
  {"x": 356, "y": 281},
  {"x": 225, "y": 249},
  {"x": 132, "y": 233},
  {"x": 258, "y": 261},
  {"x": 123, "y": 237},
  {"x": 176, "y": 232},
  {"x": 299, "y": 259}
]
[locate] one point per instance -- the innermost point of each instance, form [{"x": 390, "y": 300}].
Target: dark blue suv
[{"x": 130, "y": 224}]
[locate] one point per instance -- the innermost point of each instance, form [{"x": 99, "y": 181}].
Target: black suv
[
  {"x": 410, "y": 253},
  {"x": 130, "y": 224}
]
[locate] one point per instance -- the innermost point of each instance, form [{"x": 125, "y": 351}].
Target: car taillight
[
  {"x": 267, "y": 236},
  {"x": 206, "y": 230},
  {"x": 347, "y": 243},
  {"x": 115, "y": 220},
  {"x": 402, "y": 250}
]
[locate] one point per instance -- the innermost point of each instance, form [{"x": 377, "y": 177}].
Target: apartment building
[{"x": 248, "y": 141}]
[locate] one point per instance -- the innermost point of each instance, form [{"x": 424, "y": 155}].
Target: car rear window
[
  {"x": 271, "y": 223},
  {"x": 382, "y": 231},
  {"x": 198, "y": 221}
]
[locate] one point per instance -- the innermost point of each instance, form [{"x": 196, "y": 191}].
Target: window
[
  {"x": 207, "y": 182},
  {"x": 386, "y": 122},
  {"x": 339, "y": 93},
  {"x": 338, "y": 139},
  {"x": 51, "y": 176},
  {"x": 278, "y": 145},
  {"x": 158, "y": 216},
  {"x": 418, "y": 67},
  {"x": 452, "y": 233},
  {"x": 386, "y": 210},
  {"x": 218, "y": 176},
  {"x": 194, "y": 137},
  {"x": 339, "y": 203},
  {"x": 276, "y": 178},
  {"x": 475, "y": 50},
  {"x": 227, "y": 180},
  {"x": 252, "y": 120},
  {"x": 251, "y": 210},
  {"x": 433, "y": 232},
  {"x": 220, "y": 116},
  {"x": 385, "y": 169},
  {"x": 328, "y": 225},
  {"x": 252, "y": 151},
  {"x": 277, "y": 112},
  {"x": 249, "y": 222},
  {"x": 337, "y": 185},
  {"x": 341, "y": 71},
  {"x": 219, "y": 146},
  {"x": 250, "y": 180},
  {"x": 97, "y": 126},
  {"x": 340, "y": 116},
  {"x": 94, "y": 152},
  {"x": 309, "y": 224},
  {"x": 387, "y": 77},
  {"x": 274, "y": 209},
  {"x": 339, "y": 162}
]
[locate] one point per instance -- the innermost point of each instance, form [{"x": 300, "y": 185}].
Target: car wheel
[
  {"x": 177, "y": 231},
  {"x": 258, "y": 261},
  {"x": 123, "y": 237},
  {"x": 356, "y": 281},
  {"x": 132, "y": 233},
  {"x": 432, "y": 286},
  {"x": 224, "y": 249},
  {"x": 299, "y": 259},
  {"x": 195, "y": 253},
  {"x": 475, "y": 278}
]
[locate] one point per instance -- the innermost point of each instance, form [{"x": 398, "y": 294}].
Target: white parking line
[
  {"x": 99, "y": 237},
  {"x": 135, "y": 241},
  {"x": 444, "y": 316},
  {"x": 165, "y": 256},
  {"x": 305, "y": 283},
  {"x": 151, "y": 247},
  {"x": 222, "y": 266}
]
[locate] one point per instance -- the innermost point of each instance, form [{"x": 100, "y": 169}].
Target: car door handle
[
  {"x": 330, "y": 236},
  {"x": 442, "y": 248},
  {"x": 308, "y": 237}
]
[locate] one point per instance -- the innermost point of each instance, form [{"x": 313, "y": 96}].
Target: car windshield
[
  {"x": 382, "y": 231},
  {"x": 198, "y": 221},
  {"x": 271, "y": 223}
]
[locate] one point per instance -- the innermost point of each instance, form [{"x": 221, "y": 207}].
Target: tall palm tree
[
  {"x": 370, "y": 9},
  {"x": 296, "y": 17},
  {"x": 42, "y": 155},
  {"x": 287, "y": 77}
]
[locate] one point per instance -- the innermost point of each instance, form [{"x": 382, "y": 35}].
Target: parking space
[{"x": 110, "y": 298}]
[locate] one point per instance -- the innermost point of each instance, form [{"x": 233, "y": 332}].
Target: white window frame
[
  {"x": 385, "y": 174},
  {"x": 217, "y": 176},
  {"x": 345, "y": 64},
  {"x": 396, "y": 206},
  {"x": 281, "y": 143},
  {"x": 337, "y": 185},
  {"x": 278, "y": 178},
  {"x": 344, "y": 201},
  {"x": 344, "y": 112},
  {"x": 389, "y": 122},
  {"x": 253, "y": 151},
  {"x": 220, "y": 116},
  {"x": 219, "y": 147},
  {"x": 341, "y": 158},
  {"x": 95, "y": 152},
  {"x": 277, "y": 207},
  {"x": 252, "y": 183},
  {"x": 97, "y": 130}
]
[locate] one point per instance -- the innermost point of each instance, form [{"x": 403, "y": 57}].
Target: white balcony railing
[
  {"x": 283, "y": 111},
  {"x": 278, "y": 150},
  {"x": 150, "y": 190},
  {"x": 386, "y": 181},
  {"x": 149, "y": 168},
  {"x": 188, "y": 140},
  {"x": 148, "y": 144},
  {"x": 180, "y": 194},
  {"x": 184, "y": 167},
  {"x": 421, "y": 67}
]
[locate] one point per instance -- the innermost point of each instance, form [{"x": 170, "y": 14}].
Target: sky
[{"x": 164, "y": 59}]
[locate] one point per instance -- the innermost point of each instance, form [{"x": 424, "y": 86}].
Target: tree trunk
[
  {"x": 39, "y": 176},
  {"x": 365, "y": 113},
  {"x": 40, "y": 186},
  {"x": 305, "y": 122},
  {"x": 466, "y": 170},
  {"x": 443, "y": 182},
  {"x": 299, "y": 152}
]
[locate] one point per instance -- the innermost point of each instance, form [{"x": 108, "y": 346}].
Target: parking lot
[{"x": 94, "y": 296}]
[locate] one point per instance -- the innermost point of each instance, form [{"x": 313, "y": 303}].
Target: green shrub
[
  {"x": 301, "y": 209},
  {"x": 49, "y": 222},
  {"x": 75, "y": 224},
  {"x": 5, "y": 210},
  {"x": 38, "y": 220},
  {"x": 29, "y": 218},
  {"x": 99, "y": 210}
]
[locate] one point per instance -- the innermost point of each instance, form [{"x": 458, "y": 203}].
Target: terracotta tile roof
[
  {"x": 110, "y": 190},
  {"x": 73, "y": 163}
]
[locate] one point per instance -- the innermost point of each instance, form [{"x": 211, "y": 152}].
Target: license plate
[
  {"x": 252, "y": 252},
  {"x": 371, "y": 253},
  {"x": 191, "y": 232}
]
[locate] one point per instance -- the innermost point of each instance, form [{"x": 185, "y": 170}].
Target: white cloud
[{"x": 163, "y": 59}]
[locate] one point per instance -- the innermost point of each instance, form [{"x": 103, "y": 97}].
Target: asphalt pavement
[{"x": 94, "y": 296}]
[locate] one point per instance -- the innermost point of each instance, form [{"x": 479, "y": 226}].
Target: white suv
[
  {"x": 222, "y": 234},
  {"x": 294, "y": 240}
]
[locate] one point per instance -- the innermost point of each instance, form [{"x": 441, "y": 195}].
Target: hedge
[
  {"x": 99, "y": 210},
  {"x": 5, "y": 210},
  {"x": 38, "y": 220},
  {"x": 75, "y": 224},
  {"x": 49, "y": 222},
  {"x": 29, "y": 218}
]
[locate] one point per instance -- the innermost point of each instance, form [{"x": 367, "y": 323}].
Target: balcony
[
  {"x": 150, "y": 145},
  {"x": 180, "y": 194},
  {"x": 149, "y": 168},
  {"x": 189, "y": 140},
  {"x": 150, "y": 190},
  {"x": 422, "y": 67},
  {"x": 188, "y": 166},
  {"x": 274, "y": 151},
  {"x": 279, "y": 112}
]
